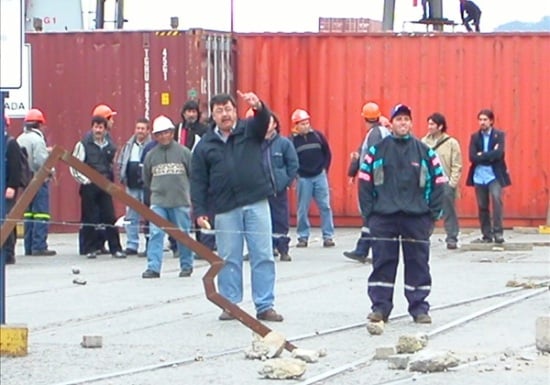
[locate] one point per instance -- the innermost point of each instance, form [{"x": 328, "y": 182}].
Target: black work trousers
[{"x": 97, "y": 208}]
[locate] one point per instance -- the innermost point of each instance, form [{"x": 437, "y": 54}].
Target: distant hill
[{"x": 542, "y": 26}]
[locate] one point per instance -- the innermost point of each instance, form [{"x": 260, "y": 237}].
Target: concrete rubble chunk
[
  {"x": 411, "y": 343},
  {"x": 399, "y": 361},
  {"x": 429, "y": 362},
  {"x": 283, "y": 368},
  {"x": 270, "y": 346},
  {"x": 375, "y": 328},
  {"x": 92, "y": 342},
  {"x": 542, "y": 333},
  {"x": 309, "y": 356},
  {"x": 383, "y": 352}
]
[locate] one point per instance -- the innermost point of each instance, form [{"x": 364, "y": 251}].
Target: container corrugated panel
[
  {"x": 139, "y": 74},
  {"x": 332, "y": 75}
]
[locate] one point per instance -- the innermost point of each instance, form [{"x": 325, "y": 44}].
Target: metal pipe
[
  {"x": 208, "y": 68},
  {"x": 3, "y": 170},
  {"x": 389, "y": 15}
]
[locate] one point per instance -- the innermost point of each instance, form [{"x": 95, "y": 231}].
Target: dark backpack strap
[{"x": 440, "y": 143}]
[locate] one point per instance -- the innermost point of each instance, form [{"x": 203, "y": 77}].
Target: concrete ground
[{"x": 165, "y": 331}]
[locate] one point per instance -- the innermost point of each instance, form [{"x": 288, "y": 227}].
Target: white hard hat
[{"x": 162, "y": 123}]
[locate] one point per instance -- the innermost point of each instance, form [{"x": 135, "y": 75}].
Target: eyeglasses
[{"x": 220, "y": 110}]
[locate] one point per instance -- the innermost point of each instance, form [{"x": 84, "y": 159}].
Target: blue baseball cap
[{"x": 400, "y": 109}]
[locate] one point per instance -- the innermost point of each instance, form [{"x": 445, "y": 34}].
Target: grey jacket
[
  {"x": 166, "y": 172},
  {"x": 124, "y": 156},
  {"x": 33, "y": 141}
]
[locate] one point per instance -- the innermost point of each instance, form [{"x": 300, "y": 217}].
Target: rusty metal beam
[{"x": 216, "y": 263}]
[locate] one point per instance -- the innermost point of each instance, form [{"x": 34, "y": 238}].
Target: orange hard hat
[
  {"x": 104, "y": 111},
  {"x": 35, "y": 115},
  {"x": 299, "y": 115},
  {"x": 249, "y": 113},
  {"x": 371, "y": 111},
  {"x": 7, "y": 120}
]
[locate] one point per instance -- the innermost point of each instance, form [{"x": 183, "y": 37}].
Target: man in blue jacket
[
  {"x": 282, "y": 163},
  {"x": 489, "y": 175},
  {"x": 227, "y": 169}
]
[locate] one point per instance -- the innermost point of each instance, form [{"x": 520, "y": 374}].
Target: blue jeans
[
  {"x": 36, "y": 225},
  {"x": 180, "y": 217},
  {"x": 132, "y": 218},
  {"x": 251, "y": 222},
  {"x": 317, "y": 188}
]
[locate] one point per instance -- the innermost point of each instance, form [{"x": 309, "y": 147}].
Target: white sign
[
  {"x": 11, "y": 43},
  {"x": 19, "y": 101}
]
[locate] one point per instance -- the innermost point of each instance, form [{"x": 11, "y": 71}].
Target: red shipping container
[
  {"x": 139, "y": 74},
  {"x": 332, "y": 75}
]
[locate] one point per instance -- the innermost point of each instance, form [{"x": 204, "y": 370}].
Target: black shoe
[
  {"x": 275, "y": 253},
  {"x": 499, "y": 239},
  {"x": 328, "y": 243},
  {"x": 452, "y": 246},
  {"x": 355, "y": 256},
  {"x": 91, "y": 255},
  {"x": 119, "y": 254},
  {"x": 44, "y": 253},
  {"x": 10, "y": 261},
  {"x": 185, "y": 273},
  {"x": 302, "y": 243},
  {"x": 130, "y": 252},
  {"x": 142, "y": 254},
  {"x": 246, "y": 257},
  {"x": 150, "y": 274}
]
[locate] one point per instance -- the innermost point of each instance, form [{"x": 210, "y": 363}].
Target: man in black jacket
[
  {"x": 13, "y": 178},
  {"x": 227, "y": 169},
  {"x": 488, "y": 174}
]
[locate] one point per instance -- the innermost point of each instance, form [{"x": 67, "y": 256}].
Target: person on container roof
[
  {"x": 401, "y": 185},
  {"x": 375, "y": 133},
  {"x": 314, "y": 157},
  {"x": 37, "y": 215},
  {"x": 488, "y": 174},
  {"x": 470, "y": 12}
]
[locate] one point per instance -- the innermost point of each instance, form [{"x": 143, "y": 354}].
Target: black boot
[{"x": 362, "y": 248}]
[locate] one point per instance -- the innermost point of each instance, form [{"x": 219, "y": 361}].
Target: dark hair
[
  {"x": 32, "y": 124},
  {"x": 191, "y": 105},
  {"x": 97, "y": 119},
  {"x": 488, "y": 113},
  {"x": 143, "y": 120},
  {"x": 439, "y": 119},
  {"x": 220, "y": 100},
  {"x": 277, "y": 122}
]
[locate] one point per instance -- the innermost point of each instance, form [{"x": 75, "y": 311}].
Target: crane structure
[{"x": 435, "y": 17}]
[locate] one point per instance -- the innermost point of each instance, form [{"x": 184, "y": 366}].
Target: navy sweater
[{"x": 313, "y": 153}]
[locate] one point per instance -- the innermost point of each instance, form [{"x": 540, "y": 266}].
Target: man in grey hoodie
[{"x": 166, "y": 172}]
